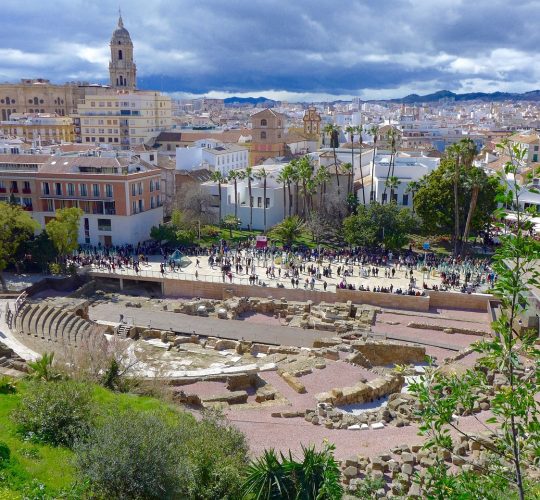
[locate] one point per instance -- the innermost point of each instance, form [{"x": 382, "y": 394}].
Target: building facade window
[
  {"x": 95, "y": 190},
  {"x": 45, "y": 188},
  {"x": 71, "y": 189},
  {"x": 108, "y": 190},
  {"x": 58, "y": 189},
  {"x": 104, "y": 225},
  {"x": 83, "y": 189}
]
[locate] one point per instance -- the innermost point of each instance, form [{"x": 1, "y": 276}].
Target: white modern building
[
  {"x": 213, "y": 155},
  {"x": 408, "y": 167},
  {"x": 273, "y": 199}
]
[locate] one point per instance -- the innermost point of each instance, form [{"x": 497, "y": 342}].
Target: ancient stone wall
[{"x": 386, "y": 354}]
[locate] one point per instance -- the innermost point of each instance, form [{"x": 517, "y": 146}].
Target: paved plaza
[{"x": 273, "y": 272}]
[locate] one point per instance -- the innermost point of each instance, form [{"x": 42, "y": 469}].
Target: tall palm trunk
[
  {"x": 219, "y": 192},
  {"x": 264, "y": 203},
  {"x": 304, "y": 198},
  {"x": 472, "y": 208},
  {"x": 250, "y": 204},
  {"x": 456, "y": 205},
  {"x": 297, "y": 195},
  {"x": 352, "y": 163},
  {"x": 372, "y": 190},
  {"x": 290, "y": 196},
  {"x": 284, "y": 201},
  {"x": 235, "y": 198},
  {"x": 387, "y": 176},
  {"x": 361, "y": 173},
  {"x": 336, "y": 168}
]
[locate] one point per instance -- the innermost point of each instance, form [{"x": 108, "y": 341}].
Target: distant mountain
[
  {"x": 248, "y": 100},
  {"x": 533, "y": 95}
]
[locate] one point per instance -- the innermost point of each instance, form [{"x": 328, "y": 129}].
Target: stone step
[
  {"x": 56, "y": 326},
  {"x": 37, "y": 319},
  {"x": 20, "y": 318},
  {"x": 77, "y": 330},
  {"x": 28, "y": 319},
  {"x": 48, "y": 322},
  {"x": 68, "y": 330}
]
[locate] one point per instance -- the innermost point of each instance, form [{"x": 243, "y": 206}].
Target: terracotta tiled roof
[{"x": 35, "y": 159}]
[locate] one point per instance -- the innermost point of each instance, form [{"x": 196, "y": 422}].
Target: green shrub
[
  {"x": 5, "y": 453},
  {"x": 218, "y": 455},
  {"x": 55, "y": 268},
  {"x": 135, "y": 455},
  {"x": 56, "y": 413},
  {"x": 7, "y": 385}
]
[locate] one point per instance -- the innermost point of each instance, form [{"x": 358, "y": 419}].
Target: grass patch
[{"x": 41, "y": 471}]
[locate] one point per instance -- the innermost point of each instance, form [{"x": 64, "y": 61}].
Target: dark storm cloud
[{"x": 302, "y": 46}]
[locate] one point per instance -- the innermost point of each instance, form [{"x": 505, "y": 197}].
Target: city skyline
[{"x": 279, "y": 50}]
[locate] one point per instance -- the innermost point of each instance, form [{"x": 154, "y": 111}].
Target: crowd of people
[{"x": 308, "y": 267}]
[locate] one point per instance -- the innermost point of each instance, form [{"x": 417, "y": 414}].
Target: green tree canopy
[
  {"x": 376, "y": 224},
  {"x": 64, "y": 229},
  {"x": 16, "y": 226},
  {"x": 434, "y": 200}
]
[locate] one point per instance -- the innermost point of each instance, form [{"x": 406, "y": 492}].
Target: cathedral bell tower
[{"x": 122, "y": 69}]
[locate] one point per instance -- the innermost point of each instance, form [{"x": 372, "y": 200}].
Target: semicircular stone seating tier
[{"x": 52, "y": 323}]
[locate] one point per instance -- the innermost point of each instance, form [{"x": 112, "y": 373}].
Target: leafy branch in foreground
[{"x": 507, "y": 371}]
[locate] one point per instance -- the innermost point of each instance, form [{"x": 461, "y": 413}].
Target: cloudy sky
[{"x": 284, "y": 49}]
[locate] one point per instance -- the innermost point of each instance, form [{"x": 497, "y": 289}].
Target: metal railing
[{"x": 129, "y": 272}]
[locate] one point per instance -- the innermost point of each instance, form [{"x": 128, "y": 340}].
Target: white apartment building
[
  {"x": 273, "y": 199},
  {"x": 213, "y": 155},
  {"x": 408, "y": 167},
  {"x": 123, "y": 119}
]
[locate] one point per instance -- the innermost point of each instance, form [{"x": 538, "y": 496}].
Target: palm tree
[
  {"x": 351, "y": 130},
  {"x": 322, "y": 177},
  {"x": 282, "y": 179},
  {"x": 348, "y": 168},
  {"x": 288, "y": 230},
  {"x": 391, "y": 137},
  {"x": 295, "y": 178},
  {"x": 476, "y": 180},
  {"x": 262, "y": 173},
  {"x": 42, "y": 369},
  {"x": 305, "y": 171},
  {"x": 392, "y": 183},
  {"x": 273, "y": 477},
  {"x": 333, "y": 131},
  {"x": 359, "y": 131},
  {"x": 218, "y": 177},
  {"x": 232, "y": 176},
  {"x": 462, "y": 155},
  {"x": 248, "y": 172},
  {"x": 287, "y": 172},
  {"x": 413, "y": 187},
  {"x": 374, "y": 132}
]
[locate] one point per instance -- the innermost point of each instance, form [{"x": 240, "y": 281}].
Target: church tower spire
[{"x": 122, "y": 69}]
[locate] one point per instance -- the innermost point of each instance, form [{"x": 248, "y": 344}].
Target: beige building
[
  {"x": 45, "y": 128},
  {"x": 38, "y": 96},
  {"x": 123, "y": 119},
  {"x": 267, "y": 136},
  {"x": 312, "y": 122}
]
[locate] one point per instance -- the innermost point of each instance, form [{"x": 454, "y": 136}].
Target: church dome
[{"x": 120, "y": 33}]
